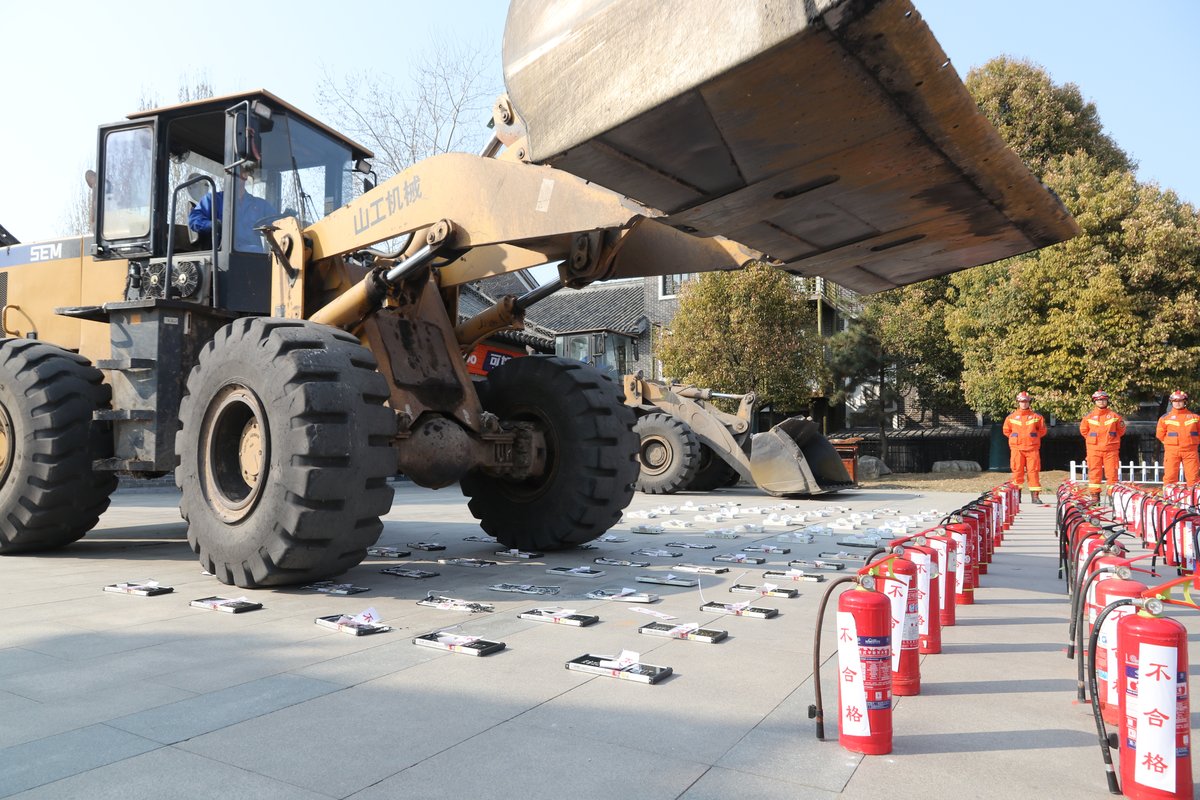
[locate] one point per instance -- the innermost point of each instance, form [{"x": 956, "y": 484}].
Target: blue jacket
[{"x": 249, "y": 210}]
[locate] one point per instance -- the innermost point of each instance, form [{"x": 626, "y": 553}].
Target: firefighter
[
  {"x": 1025, "y": 430},
  {"x": 1179, "y": 431},
  {"x": 1102, "y": 430}
]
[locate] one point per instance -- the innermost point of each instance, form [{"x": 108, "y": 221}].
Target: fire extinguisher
[
  {"x": 1177, "y": 540},
  {"x": 1105, "y": 552},
  {"x": 965, "y": 580},
  {"x": 947, "y": 554},
  {"x": 1106, "y": 659},
  {"x": 864, "y": 668},
  {"x": 896, "y": 579},
  {"x": 976, "y": 518},
  {"x": 1153, "y": 718},
  {"x": 917, "y": 549}
]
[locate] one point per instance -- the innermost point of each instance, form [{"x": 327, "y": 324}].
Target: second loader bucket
[{"x": 793, "y": 458}]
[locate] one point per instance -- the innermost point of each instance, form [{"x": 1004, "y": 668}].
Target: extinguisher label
[
  {"x": 943, "y": 568},
  {"x": 922, "y": 562},
  {"x": 1106, "y": 661},
  {"x": 1152, "y": 525},
  {"x": 855, "y": 721},
  {"x": 1189, "y": 550},
  {"x": 902, "y": 621},
  {"x": 1151, "y": 700},
  {"x": 960, "y": 561}
]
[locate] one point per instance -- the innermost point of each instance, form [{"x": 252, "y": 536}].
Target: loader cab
[
  {"x": 158, "y": 172},
  {"x": 611, "y": 352}
]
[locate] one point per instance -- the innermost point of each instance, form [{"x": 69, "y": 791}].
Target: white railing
[{"x": 1126, "y": 473}]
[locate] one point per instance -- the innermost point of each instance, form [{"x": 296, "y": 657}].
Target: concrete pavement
[{"x": 105, "y": 695}]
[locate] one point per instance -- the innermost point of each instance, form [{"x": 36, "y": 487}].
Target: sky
[{"x": 71, "y": 66}]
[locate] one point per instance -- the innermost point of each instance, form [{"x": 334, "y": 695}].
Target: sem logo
[{"x": 45, "y": 252}]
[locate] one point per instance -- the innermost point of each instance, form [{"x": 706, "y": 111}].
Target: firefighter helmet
[
  {"x": 1099, "y": 395},
  {"x": 1179, "y": 395},
  {"x": 1024, "y": 396}
]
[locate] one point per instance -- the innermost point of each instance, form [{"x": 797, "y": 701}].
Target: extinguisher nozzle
[
  {"x": 1071, "y": 651},
  {"x": 812, "y": 711}
]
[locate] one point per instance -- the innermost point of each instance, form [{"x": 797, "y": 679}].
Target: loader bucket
[
  {"x": 833, "y": 136},
  {"x": 793, "y": 458}
]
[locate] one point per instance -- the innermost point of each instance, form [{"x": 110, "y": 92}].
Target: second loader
[{"x": 688, "y": 444}]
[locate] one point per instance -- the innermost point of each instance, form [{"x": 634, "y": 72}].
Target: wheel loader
[
  {"x": 285, "y": 376},
  {"x": 687, "y": 443}
]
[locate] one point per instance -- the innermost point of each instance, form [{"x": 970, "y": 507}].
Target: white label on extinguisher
[
  {"x": 922, "y": 562},
  {"x": 1151, "y": 701},
  {"x": 896, "y": 589},
  {"x": 1189, "y": 549},
  {"x": 855, "y": 721},
  {"x": 960, "y": 561},
  {"x": 1093, "y": 608},
  {"x": 1107, "y": 640},
  {"x": 1151, "y": 531},
  {"x": 943, "y": 568}
]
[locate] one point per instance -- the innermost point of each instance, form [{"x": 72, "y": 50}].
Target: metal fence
[{"x": 1151, "y": 473}]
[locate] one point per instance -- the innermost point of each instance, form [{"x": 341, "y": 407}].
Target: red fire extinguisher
[
  {"x": 976, "y": 518},
  {"x": 948, "y": 557},
  {"x": 896, "y": 579},
  {"x": 1107, "y": 660},
  {"x": 1153, "y": 719},
  {"x": 864, "y": 621},
  {"x": 964, "y": 588},
  {"x": 917, "y": 549}
]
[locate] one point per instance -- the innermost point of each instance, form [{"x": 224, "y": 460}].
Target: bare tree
[{"x": 443, "y": 106}]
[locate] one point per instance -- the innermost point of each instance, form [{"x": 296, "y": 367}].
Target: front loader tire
[
  {"x": 49, "y": 494},
  {"x": 712, "y": 472},
  {"x": 284, "y": 453},
  {"x": 668, "y": 454},
  {"x": 590, "y": 466}
]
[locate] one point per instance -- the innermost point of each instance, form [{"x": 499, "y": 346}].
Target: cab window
[{"x": 128, "y": 183}]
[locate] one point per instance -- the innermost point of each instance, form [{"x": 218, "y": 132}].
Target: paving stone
[
  {"x": 32, "y": 764},
  {"x": 195, "y": 716}
]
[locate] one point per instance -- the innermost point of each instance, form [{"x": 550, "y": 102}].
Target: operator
[
  {"x": 248, "y": 209},
  {"x": 1102, "y": 430},
  {"x": 1025, "y": 430},
  {"x": 1179, "y": 431}
]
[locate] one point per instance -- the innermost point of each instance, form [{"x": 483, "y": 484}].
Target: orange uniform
[
  {"x": 1025, "y": 430},
  {"x": 1179, "y": 431},
  {"x": 1102, "y": 430}
]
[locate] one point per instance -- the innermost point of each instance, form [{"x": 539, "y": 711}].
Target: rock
[
  {"x": 870, "y": 468},
  {"x": 957, "y": 466}
]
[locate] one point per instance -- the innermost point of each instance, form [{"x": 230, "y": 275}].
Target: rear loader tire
[
  {"x": 284, "y": 453},
  {"x": 668, "y": 454},
  {"x": 713, "y": 472},
  {"x": 49, "y": 494},
  {"x": 590, "y": 455}
]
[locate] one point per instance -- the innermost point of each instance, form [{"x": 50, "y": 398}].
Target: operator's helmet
[
  {"x": 1024, "y": 396},
  {"x": 1179, "y": 395},
  {"x": 1099, "y": 395}
]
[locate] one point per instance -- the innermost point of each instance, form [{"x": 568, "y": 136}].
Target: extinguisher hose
[
  {"x": 817, "y": 711},
  {"x": 1064, "y": 548},
  {"x": 1113, "y": 785},
  {"x": 1077, "y": 623}
]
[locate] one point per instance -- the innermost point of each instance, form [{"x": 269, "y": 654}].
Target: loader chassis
[{"x": 285, "y": 365}]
